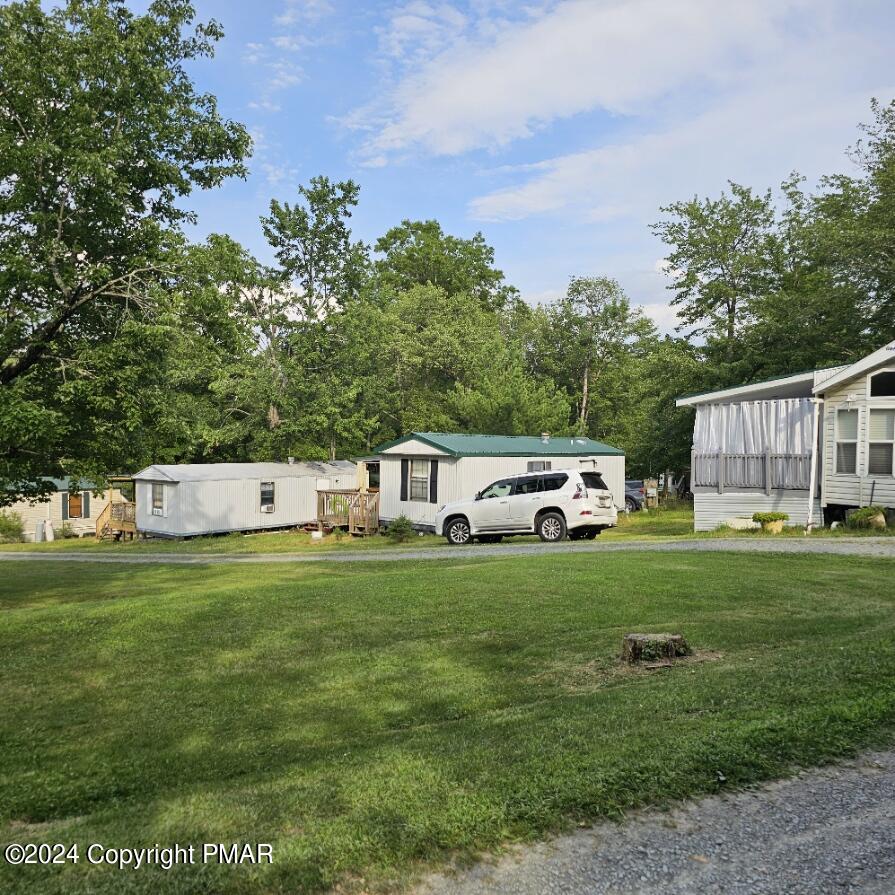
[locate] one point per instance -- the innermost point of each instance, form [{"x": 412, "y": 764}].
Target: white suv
[{"x": 549, "y": 504}]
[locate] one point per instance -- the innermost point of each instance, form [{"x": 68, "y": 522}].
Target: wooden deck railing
[
  {"x": 767, "y": 471},
  {"x": 118, "y": 516},
  {"x": 356, "y": 510}
]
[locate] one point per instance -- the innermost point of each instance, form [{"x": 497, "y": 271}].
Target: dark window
[
  {"x": 528, "y": 485},
  {"x": 554, "y": 482},
  {"x": 158, "y": 499},
  {"x": 882, "y": 385},
  {"x": 267, "y": 497},
  {"x": 593, "y": 480},
  {"x": 538, "y": 465},
  {"x": 373, "y": 476},
  {"x": 498, "y": 489}
]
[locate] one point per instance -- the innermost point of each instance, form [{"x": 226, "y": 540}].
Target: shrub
[
  {"x": 764, "y": 518},
  {"x": 11, "y": 528},
  {"x": 861, "y": 518},
  {"x": 68, "y": 532},
  {"x": 400, "y": 530}
]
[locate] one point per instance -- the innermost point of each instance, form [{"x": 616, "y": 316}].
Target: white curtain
[{"x": 783, "y": 426}]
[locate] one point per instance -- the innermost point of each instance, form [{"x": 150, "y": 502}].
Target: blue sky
[{"x": 555, "y": 128}]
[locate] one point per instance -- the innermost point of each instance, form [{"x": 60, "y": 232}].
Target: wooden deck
[
  {"x": 117, "y": 521},
  {"x": 358, "y": 511}
]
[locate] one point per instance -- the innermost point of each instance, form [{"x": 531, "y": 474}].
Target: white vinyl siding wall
[
  {"x": 210, "y": 507},
  {"x": 52, "y": 511},
  {"x": 862, "y": 486}
]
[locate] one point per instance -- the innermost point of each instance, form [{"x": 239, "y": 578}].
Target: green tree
[
  {"x": 102, "y": 133},
  {"x": 420, "y": 253},
  {"x": 720, "y": 260},
  {"x": 583, "y": 342}
]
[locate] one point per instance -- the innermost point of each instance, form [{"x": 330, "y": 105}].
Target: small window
[
  {"x": 158, "y": 499},
  {"x": 593, "y": 481},
  {"x": 419, "y": 480},
  {"x": 881, "y": 442},
  {"x": 267, "y": 497},
  {"x": 498, "y": 489},
  {"x": 846, "y": 442},
  {"x": 373, "y": 476},
  {"x": 527, "y": 485},
  {"x": 538, "y": 465},
  {"x": 882, "y": 385},
  {"x": 554, "y": 482}
]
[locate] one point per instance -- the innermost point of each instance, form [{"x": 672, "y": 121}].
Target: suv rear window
[
  {"x": 554, "y": 482},
  {"x": 593, "y": 480},
  {"x": 527, "y": 485}
]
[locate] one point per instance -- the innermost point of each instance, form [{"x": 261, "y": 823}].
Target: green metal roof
[{"x": 457, "y": 445}]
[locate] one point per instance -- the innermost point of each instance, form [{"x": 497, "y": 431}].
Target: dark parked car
[{"x": 634, "y": 495}]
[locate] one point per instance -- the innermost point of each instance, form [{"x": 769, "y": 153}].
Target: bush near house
[
  {"x": 400, "y": 530},
  {"x": 865, "y": 517},
  {"x": 12, "y": 529},
  {"x": 765, "y": 518}
]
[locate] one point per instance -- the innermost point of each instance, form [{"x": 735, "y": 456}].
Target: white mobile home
[
  {"x": 72, "y": 507},
  {"x": 812, "y": 445},
  {"x": 425, "y": 470},
  {"x": 190, "y": 499}
]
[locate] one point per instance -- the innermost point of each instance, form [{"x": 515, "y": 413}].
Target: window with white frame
[
  {"x": 267, "y": 497},
  {"x": 881, "y": 442},
  {"x": 419, "y": 480},
  {"x": 158, "y": 499},
  {"x": 846, "y": 442}
]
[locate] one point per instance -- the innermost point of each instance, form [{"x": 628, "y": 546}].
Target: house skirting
[{"x": 711, "y": 509}]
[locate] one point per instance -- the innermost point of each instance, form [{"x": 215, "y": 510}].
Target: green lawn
[
  {"x": 374, "y": 719},
  {"x": 661, "y": 524}
]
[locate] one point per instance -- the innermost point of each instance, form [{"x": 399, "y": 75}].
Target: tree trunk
[
  {"x": 585, "y": 382},
  {"x": 653, "y": 647}
]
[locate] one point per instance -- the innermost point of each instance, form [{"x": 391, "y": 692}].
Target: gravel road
[
  {"x": 884, "y": 547},
  {"x": 825, "y": 831}
]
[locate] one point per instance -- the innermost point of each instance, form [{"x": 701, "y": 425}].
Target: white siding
[
  {"x": 460, "y": 478},
  {"x": 861, "y": 488},
  {"x": 51, "y": 510},
  {"x": 711, "y": 510},
  {"x": 208, "y": 507}
]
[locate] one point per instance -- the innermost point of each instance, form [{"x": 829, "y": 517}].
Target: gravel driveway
[
  {"x": 825, "y": 831},
  {"x": 867, "y": 546}
]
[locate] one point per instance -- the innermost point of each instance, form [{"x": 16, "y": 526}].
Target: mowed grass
[{"x": 374, "y": 720}]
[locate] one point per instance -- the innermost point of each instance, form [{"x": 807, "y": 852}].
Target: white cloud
[
  {"x": 580, "y": 55},
  {"x": 303, "y": 10},
  {"x": 265, "y": 105}
]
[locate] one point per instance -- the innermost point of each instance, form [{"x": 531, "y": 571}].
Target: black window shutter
[
  {"x": 433, "y": 481},
  {"x": 64, "y": 497},
  {"x": 85, "y": 506},
  {"x": 405, "y": 476}
]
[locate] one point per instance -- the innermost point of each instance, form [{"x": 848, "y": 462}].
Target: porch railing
[
  {"x": 117, "y": 516},
  {"x": 356, "y": 510},
  {"x": 767, "y": 471}
]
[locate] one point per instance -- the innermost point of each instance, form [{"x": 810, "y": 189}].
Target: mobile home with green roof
[{"x": 422, "y": 471}]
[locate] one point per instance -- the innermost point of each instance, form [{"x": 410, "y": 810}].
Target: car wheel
[
  {"x": 490, "y": 539},
  {"x": 551, "y": 527},
  {"x": 631, "y": 505},
  {"x": 458, "y": 532}
]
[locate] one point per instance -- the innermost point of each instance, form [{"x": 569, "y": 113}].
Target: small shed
[
  {"x": 422, "y": 471},
  {"x": 191, "y": 499}
]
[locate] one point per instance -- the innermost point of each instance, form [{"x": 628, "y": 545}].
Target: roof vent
[{"x": 545, "y": 438}]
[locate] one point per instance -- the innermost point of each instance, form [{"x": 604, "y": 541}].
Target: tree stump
[{"x": 653, "y": 647}]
